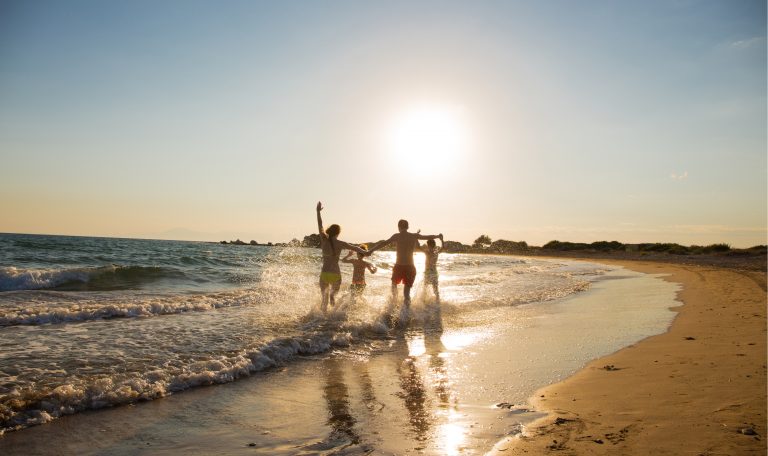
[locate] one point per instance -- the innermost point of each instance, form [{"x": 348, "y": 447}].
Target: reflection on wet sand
[
  {"x": 422, "y": 373},
  {"x": 367, "y": 393},
  {"x": 434, "y": 349},
  {"x": 336, "y": 395},
  {"x": 414, "y": 397},
  {"x": 421, "y": 384},
  {"x": 451, "y": 429}
]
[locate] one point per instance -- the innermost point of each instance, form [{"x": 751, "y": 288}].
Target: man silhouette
[{"x": 404, "y": 271}]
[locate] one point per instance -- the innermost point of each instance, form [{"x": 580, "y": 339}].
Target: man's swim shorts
[{"x": 404, "y": 273}]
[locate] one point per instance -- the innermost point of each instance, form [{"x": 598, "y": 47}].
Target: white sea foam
[
  {"x": 39, "y": 313},
  {"x": 23, "y": 408}
]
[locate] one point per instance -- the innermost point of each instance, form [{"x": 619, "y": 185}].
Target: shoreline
[
  {"x": 459, "y": 388},
  {"x": 439, "y": 387},
  {"x": 699, "y": 388}
]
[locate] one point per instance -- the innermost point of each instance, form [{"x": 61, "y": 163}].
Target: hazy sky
[{"x": 580, "y": 121}]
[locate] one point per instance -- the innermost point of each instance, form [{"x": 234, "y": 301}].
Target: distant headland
[{"x": 294, "y": 243}]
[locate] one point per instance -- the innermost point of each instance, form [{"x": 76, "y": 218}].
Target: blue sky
[{"x": 634, "y": 121}]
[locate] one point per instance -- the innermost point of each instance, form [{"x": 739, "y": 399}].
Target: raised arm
[
  {"x": 442, "y": 244},
  {"x": 320, "y": 219}
]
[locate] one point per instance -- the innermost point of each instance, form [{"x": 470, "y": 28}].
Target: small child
[
  {"x": 359, "y": 266},
  {"x": 430, "y": 265}
]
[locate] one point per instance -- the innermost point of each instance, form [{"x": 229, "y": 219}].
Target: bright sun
[{"x": 428, "y": 136}]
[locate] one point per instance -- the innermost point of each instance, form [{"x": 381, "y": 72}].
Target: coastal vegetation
[
  {"x": 672, "y": 248},
  {"x": 484, "y": 244}
]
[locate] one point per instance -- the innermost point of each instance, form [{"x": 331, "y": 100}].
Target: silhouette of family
[{"x": 404, "y": 270}]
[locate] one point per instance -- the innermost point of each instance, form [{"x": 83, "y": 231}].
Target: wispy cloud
[
  {"x": 679, "y": 177},
  {"x": 748, "y": 43}
]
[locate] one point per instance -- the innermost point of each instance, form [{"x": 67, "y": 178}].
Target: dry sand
[{"x": 699, "y": 389}]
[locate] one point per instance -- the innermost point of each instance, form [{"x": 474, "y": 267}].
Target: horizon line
[{"x": 286, "y": 242}]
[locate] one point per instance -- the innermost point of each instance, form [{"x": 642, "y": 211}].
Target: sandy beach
[
  {"x": 352, "y": 228},
  {"x": 699, "y": 389}
]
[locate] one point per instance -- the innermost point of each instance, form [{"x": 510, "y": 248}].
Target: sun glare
[{"x": 428, "y": 136}]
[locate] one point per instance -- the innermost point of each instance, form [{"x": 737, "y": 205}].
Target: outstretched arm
[
  {"x": 346, "y": 258},
  {"x": 426, "y": 237},
  {"x": 371, "y": 267},
  {"x": 347, "y": 245},
  {"x": 320, "y": 219},
  {"x": 381, "y": 244}
]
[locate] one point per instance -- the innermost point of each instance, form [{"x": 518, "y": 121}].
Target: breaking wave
[
  {"x": 102, "y": 278},
  {"x": 45, "y": 312},
  {"x": 23, "y": 408}
]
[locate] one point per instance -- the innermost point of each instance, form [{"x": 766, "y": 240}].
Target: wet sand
[{"x": 699, "y": 389}]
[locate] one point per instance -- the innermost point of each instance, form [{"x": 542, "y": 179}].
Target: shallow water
[
  {"x": 424, "y": 390},
  {"x": 81, "y": 333}
]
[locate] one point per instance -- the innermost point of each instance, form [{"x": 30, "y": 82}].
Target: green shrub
[
  {"x": 606, "y": 246},
  {"x": 718, "y": 247},
  {"x": 677, "y": 249}
]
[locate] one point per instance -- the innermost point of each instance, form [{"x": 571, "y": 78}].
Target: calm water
[{"x": 87, "y": 323}]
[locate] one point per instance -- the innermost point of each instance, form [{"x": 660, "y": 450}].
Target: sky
[{"x": 522, "y": 120}]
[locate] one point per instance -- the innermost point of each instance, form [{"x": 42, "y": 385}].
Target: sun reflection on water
[
  {"x": 416, "y": 346},
  {"x": 451, "y": 435},
  {"x": 458, "y": 340}
]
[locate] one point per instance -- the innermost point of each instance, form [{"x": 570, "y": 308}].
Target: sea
[{"x": 88, "y": 323}]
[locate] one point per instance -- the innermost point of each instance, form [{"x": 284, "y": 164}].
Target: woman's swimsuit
[{"x": 330, "y": 278}]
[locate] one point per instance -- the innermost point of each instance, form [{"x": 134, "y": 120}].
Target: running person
[
  {"x": 331, "y": 246},
  {"x": 430, "y": 264},
  {"x": 404, "y": 271},
  {"x": 358, "y": 272}
]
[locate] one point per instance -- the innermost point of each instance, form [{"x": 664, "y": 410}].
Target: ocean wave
[
  {"x": 25, "y": 407},
  {"x": 22, "y": 406},
  {"x": 102, "y": 278},
  {"x": 40, "y": 313}
]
